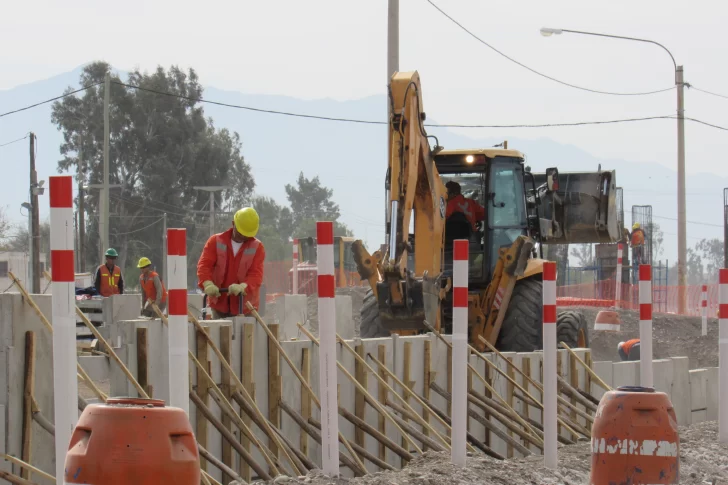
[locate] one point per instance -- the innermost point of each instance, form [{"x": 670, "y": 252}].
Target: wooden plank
[
  {"x": 588, "y": 362},
  {"x": 559, "y": 372},
  {"x": 274, "y": 386},
  {"x": 428, "y": 376},
  {"x": 203, "y": 391},
  {"x": 26, "y": 454},
  {"x": 305, "y": 397},
  {"x": 574, "y": 378},
  {"x": 247, "y": 362},
  {"x": 509, "y": 399},
  {"x": 382, "y": 397},
  {"x": 449, "y": 378},
  {"x": 360, "y": 404},
  {"x": 406, "y": 379},
  {"x": 226, "y": 342},
  {"x": 489, "y": 379},
  {"x": 143, "y": 359}
]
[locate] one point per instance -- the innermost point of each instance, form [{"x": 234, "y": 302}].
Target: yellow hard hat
[
  {"x": 144, "y": 262},
  {"x": 636, "y": 225},
  {"x": 247, "y": 221}
]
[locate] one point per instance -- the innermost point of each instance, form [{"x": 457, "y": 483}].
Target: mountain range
[{"x": 350, "y": 158}]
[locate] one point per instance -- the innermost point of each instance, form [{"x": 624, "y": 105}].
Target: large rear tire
[
  {"x": 571, "y": 328},
  {"x": 371, "y": 323},
  {"x": 522, "y": 329}
]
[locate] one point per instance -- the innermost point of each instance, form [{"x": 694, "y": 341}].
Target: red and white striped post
[
  {"x": 704, "y": 309},
  {"x": 65, "y": 386},
  {"x": 723, "y": 357},
  {"x": 459, "y": 352},
  {"x": 550, "y": 349},
  {"x": 327, "y": 349},
  {"x": 646, "y": 325},
  {"x": 178, "y": 341},
  {"x": 294, "y": 285},
  {"x": 618, "y": 285}
]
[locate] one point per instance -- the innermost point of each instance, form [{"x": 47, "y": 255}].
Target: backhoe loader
[{"x": 410, "y": 278}]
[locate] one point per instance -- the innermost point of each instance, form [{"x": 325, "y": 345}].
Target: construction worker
[
  {"x": 637, "y": 241},
  {"x": 234, "y": 260},
  {"x": 456, "y": 202},
  {"x": 629, "y": 350},
  {"x": 108, "y": 280},
  {"x": 153, "y": 290}
]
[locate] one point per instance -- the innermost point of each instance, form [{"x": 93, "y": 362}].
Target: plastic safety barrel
[
  {"x": 132, "y": 441},
  {"x": 635, "y": 438}
]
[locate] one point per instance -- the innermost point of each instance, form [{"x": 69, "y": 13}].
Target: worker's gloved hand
[
  {"x": 210, "y": 288},
  {"x": 236, "y": 289}
]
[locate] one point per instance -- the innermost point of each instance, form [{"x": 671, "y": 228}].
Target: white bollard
[
  {"x": 178, "y": 341},
  {"x": 328, "y": 388},
  {"x": 723, "y": 358},
  {"x": 704, "y": 309},
  {"x": 459, "y": 352},
  {"x": 618, "y": 285},
  {"x": 65, "y": 386},
  {"x": 646, "y": 325},
  {"x": 550, "y": 349},
  {"x": 294, "y": 285}
]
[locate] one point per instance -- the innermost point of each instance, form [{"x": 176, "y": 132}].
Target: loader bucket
[{"x": 583, "y": 209}]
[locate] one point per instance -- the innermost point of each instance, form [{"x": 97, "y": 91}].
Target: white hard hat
[{"x": 619, "y": 345}]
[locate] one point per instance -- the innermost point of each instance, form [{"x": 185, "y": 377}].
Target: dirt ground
[
  {"x": 673, "y": 336},
  {"x": 702, "y": 460}
]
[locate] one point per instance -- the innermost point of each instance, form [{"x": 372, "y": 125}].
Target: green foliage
[
  {"x": 711, "y": 251},
  {"x": 161, "y": 147}
]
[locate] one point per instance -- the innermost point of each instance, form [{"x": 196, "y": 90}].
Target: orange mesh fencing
[{"x": 278, "y": 278}]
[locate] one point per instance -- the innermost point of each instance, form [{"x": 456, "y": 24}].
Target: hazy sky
[{"x": 337, "y": 49}]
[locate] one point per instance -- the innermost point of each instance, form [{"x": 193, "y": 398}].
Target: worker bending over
[
  {"x": 153, "y": 290},
  {"x": 629, "y": 350},
  {"x": 637, "y": 241},
  {"x": 108, "y": 280},
  {"x": 234, "y": 260},
  {"x": 456, "y": 202}
]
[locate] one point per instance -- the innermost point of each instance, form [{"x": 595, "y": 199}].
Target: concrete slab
[
  {"x": 344, "y": 320},
  {"x": 96, "y": 366},
  {"x": 625, "y": 374},
  {"x": 290, "y": 310},
  {"x": 681, "y": 389},
  {"x": 604, "y": 370},
  {"x": 711, "y": 393},
  {"x": 698, "y": 399},
  {"x": 662, "y": 376}
]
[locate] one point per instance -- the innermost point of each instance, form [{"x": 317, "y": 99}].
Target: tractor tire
[
  {"x": 522, "y": 329},
  {"x": 572, "y": 329},
  {"x": 371, "y": 324}
]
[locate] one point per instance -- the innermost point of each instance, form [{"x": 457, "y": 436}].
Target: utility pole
[
  {"x": 211, "y": 189},
  {"x": 164, "y": 245},
  {"x": 80, "y": 177},
  {"x": 35, "y": 234},
  {"x": 392, "y": 67},
  {"x": 682, "y": 236},
  {"x": 104, "y": 199}
]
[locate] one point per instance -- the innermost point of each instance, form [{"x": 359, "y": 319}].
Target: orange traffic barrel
[
  {"x": 635, "y": 439},
  {"x": 132, "y": 441},
  {"x": 607, "y": 321}
]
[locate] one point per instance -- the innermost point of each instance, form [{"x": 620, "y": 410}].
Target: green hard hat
[{"x": 111, "y": 252}]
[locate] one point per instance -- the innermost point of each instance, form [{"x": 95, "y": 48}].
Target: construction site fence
[{"x": 664, "y": 298}]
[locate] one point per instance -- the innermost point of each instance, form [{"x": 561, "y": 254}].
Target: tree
[
  {"x": 658, "y": 239},
  {"x": 560, "y": 254},
  {"x": 711, "y": 251},
  {"x": 20, "y": 240},
  {"x": 310, "y": 202},
  {"x": 583, "y": 253},
  {"x": 161, "y": 146},
  {"x": 276, "y": 228}
]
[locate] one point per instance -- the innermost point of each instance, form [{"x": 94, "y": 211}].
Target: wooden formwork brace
[
  {"x": 28, "y": 399},
  {"x": 365, "y": 427},
  {"x": 591, "y": 372},
  {"x": 220, "y": 465},
  {"x": 14, "y": 479},
  {"x": 28, "y": 299},
  {"x": 27, "y": 466},
  {"x": 272, "y": 339},
  {"x": 266, "y": 428}
]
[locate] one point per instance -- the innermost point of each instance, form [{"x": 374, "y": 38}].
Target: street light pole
[
  {"x": 211, "y": 189},
  {"x": 682, "y": 244}
]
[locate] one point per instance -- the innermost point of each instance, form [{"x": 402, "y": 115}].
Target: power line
[
  {"x": 697, "y": 223},
  {"x": 535, "y": 71},
  {"x": 14, "y": 141},
  {"x": 140, "y": 229},
  {"x": 704, "y": 123},
  {"x": 552, "y": 125},
  {"x": 65, "y": 95},
  {"x": 690, "y": 86}
]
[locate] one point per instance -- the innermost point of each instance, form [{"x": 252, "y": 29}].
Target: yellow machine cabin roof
[{"x": 488, "y": 152}]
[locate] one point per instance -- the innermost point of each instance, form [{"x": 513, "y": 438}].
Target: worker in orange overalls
[
  {"x": 629, "y": 350},
  {"x": 234, "y": 260},
  {"x": 153, "y": 290},
  {"x": 108, "y": 280},
  {"x": 637, "y": 241},
  {"x": 456, "y": 202}
]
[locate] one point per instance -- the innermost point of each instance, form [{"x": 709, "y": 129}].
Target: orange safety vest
[
  {"x": 629, "y": 344},
  {"x": 223, "y": 275},
  {"x": 109, "y": 282},
  {"x": 147, "y": 284},
  {"x": 638, "y": 237},
  {"x": 472, "y": 210}
]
